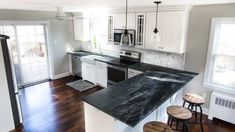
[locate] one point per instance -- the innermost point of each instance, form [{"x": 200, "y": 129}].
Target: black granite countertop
[{"x": 132, "y": 100}]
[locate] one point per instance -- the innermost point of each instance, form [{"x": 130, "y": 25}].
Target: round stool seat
[
  {"x": 179, "y": 112},
  {"x": 193, "y": 98},
  {"x": 156, "y": 126}
]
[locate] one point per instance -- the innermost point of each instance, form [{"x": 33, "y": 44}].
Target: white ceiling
[{"x": 77, "y": 5}]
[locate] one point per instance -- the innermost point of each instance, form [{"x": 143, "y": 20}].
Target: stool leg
[
  {"x": 189, "y": 106},
  {"x": 171, "y": 122},
  {"x": 168, "y": 121},
  {"x": 191, "y": 109},
  {"x": 201, "y": 118},
  {"x": 184, "y": 104},
  {"x": 196, "y": 114},
  {"x": 177, "y": 123},
  {"x": 185, "y": 127}
]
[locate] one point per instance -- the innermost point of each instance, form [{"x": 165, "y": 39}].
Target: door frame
[{"x": 50, "y": 59}]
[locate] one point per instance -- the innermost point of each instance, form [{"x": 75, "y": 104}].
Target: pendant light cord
[
  {"x": 126, "y": 13},
  {"x": 156, "y": 14}
]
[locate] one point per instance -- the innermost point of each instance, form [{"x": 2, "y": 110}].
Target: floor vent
[{"x": 225, "y": 103}]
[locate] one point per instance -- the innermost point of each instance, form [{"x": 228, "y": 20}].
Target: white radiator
[{"x": 222, "y": 106}]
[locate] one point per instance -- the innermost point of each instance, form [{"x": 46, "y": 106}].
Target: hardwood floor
[{"x": 54, "y": 107}]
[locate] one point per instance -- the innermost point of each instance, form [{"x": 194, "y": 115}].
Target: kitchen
[{"x": 90, "y": 46}]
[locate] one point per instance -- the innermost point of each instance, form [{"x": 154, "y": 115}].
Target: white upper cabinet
[
  {"x": 82, "y": 29},
  {"x": 174, "y": 31},
  {"x": 172, "y": 26},
  {"x": 119, "y": 21}
]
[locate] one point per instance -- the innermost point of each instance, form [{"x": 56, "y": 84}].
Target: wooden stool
[
  {"x": 194, "y": 101},
  {"x": 156, "y": 126},
  {"x": 178, "y": 114}
]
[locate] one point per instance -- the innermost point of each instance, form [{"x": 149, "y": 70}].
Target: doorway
[{"x": 29, "y": 52}]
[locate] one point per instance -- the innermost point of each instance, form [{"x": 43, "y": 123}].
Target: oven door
[{"x": 116, "y": 74}]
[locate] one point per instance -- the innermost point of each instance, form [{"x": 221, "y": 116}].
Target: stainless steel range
[{"x": 117, "y": 69}]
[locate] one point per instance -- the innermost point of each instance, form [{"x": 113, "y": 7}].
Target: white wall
[
  {"x": 6, "y": 117},
  {"x": 197, "y": 42},
  {"x": 58, "y": 34}
]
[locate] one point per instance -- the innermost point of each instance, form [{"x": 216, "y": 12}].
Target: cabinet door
[
  {"x": 140, "y": 29},
  {"x": 150, "y": 26},
  {"x": 92, "y": 73},
  {"x": 81, "y": 29},
  {"x": 119, "y": 21},
  {"x": 85, "y": 71},
  {"x": 101, "y": 73},
  {"x": 173, "y": 35},
  {"x": 131, "y": 21}
]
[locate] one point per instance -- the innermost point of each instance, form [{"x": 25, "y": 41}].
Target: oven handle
[{"x": 117, "y": 67}]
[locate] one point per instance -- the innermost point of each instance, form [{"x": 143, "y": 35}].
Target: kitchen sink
[{"x": 92, "y": 58}]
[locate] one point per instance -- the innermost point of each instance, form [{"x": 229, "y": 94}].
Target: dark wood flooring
[{"x": 54, "y": 107}]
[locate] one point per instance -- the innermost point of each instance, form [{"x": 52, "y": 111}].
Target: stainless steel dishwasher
[{"x": 77, "y": 63}]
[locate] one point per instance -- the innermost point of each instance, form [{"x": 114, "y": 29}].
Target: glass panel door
[
  {"x": 33, "y": 53},
  {"x": 29, "y": 52}
]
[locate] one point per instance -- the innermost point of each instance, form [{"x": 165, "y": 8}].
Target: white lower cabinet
[
  {"x": 95, "y": 73},
  {"x": 101, "y": 73},
  {"x": 89, "y": 72}
]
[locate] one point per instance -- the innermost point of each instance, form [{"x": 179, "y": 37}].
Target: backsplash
[{"x": 171, "y": 60}]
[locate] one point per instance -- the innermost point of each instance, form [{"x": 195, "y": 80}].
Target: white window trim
[{"x": 212, "y": 39}]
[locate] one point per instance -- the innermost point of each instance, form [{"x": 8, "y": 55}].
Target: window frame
[{"x": 215, "y": 21}]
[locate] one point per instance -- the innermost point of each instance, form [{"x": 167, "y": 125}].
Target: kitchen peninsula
[{"x": 128, "y": 105}]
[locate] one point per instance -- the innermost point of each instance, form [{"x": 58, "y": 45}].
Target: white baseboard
[{"x": 61, "y": 75}]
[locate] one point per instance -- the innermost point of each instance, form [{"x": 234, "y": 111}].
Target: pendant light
[
  {"x": 126, "y": 37},
  {"x": 156, "y": 35}
]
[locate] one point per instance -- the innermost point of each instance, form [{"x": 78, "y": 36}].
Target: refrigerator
[{"x": 11, "y": 79}]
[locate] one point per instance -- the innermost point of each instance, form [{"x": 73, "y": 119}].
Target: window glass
[{"x": 223, "y": 59}]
